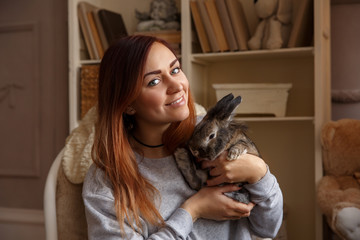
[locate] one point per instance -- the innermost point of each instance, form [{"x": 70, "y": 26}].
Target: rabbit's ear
[
  {"x": 215, "y": 111},
  {"x": 234, "y": 103},
  {"x": 224, "y": 107},
  {"x": 231, "y": 107}
]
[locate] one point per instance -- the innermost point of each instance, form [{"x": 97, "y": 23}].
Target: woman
[{"x": 134, "y": 190}]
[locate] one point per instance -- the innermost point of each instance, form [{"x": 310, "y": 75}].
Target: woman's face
[{"x": 164, "y": 94}]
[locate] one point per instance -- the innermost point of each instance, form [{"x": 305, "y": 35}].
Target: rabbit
[{"x": 215, "y": 133}]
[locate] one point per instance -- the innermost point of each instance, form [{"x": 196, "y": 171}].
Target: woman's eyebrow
[
  {"x": 152, "y": 72},
  {"x": 173, "y": 62},
  {"x": 158, "y": 71}
]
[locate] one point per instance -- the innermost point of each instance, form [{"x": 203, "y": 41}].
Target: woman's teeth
[{"x": 177, "y": 101}]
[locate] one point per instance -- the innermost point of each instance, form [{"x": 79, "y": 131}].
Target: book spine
[
  {"x": 100, "y": 29},
  {"x": 216, "y": 25},
  {"x": 226, "y": 24},
  {"x": 239, "y": 24},
  {"x": 199, "y": 26},
  {"x": 302, "y": 30},
  {"x": 85, "y": 28},
  {"x": 208, "y": 28},
  {"x": 95, "y": 34}
]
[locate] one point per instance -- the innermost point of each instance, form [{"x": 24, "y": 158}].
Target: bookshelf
[
  {"x": 291, "y": 144},
  {"x": 127, "y": 10}
]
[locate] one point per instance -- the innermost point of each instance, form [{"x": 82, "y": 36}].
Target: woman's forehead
[{"x": 159, "y": 55}]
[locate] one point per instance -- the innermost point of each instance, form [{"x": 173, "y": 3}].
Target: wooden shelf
[
  {"x": 345, "y": 1},
  {"x": 87, "y": 62},
  {"x": 254, "y": 54}
]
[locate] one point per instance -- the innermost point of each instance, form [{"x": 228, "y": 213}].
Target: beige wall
[{"x": 345, "y": 51}]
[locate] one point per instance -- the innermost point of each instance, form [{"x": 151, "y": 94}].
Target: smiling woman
[
  {"x": 164, "y": 94},
  {"x": 134, "y": 190}
]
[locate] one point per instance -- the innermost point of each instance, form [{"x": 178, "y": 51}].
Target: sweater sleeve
[
  {"x": 103, "y": 224},
  {"x": 266, "y": 217}
]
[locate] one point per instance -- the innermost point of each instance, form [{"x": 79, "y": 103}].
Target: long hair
[{"x": 120, "y": 82}]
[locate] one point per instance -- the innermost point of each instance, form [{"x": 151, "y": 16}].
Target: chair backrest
[
  {"x": 50, "y": 199},
  {"x": 63, "y": 206}
]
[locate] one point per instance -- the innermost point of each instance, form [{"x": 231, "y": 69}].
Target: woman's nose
[{"x": 174, "y": 86}]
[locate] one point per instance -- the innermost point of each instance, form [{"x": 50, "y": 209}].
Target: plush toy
[
  {"x": 338, "y": 192},
  {"x": 163, "y": 15},
  {"x": 272, "y": 32}
]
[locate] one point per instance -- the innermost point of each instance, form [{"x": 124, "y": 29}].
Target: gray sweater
[{"x": 264, "y": 221}]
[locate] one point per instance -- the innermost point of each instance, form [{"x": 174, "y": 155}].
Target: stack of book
[
  {"x": 173, "y": 37},
  {"x": 99, "y": 28},
  {"x": 220, "y": 25}
]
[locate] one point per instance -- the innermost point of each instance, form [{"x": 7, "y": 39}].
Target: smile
[{"x": 175, "y": 102}]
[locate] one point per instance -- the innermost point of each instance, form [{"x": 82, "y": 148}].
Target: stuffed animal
[
  {"x": 273, "y": 30},
  {"x": 338, "y": 192},
  {"x": 163, "y": 15},
  {"x": 215, "y": 133}
]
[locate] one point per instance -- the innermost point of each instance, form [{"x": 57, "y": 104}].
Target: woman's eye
[
  {"x": 175, "y": 70},
  {"x": 153, "y": 82}
]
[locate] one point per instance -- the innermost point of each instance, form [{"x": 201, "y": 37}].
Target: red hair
[{"x": 120, "y": 82}]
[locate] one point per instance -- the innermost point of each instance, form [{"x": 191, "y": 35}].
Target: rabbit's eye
[{"x": 212, "y": 136}]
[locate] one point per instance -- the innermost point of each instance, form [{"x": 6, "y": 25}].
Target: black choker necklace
[{"x": 149, "y": 146}]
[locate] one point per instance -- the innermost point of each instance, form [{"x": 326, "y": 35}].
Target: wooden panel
[
  {"x": 33, "y": 117},
  {"x": 19, "y": 100},
  {"x": 287, "y": 147}
]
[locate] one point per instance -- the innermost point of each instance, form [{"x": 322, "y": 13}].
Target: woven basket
[{"x": 89, "y": 87}]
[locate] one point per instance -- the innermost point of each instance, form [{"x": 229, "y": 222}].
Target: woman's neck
[
  {"x": 149, "y": 142},
  {"x": 152, "y": 153}
]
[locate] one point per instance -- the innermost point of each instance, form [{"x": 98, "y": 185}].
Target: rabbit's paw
[
  {"x": 241, "y": 196},
  {"x": 235, "y": 152}
]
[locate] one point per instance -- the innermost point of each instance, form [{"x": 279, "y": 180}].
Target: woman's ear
[{"x": 130, "y": 110}]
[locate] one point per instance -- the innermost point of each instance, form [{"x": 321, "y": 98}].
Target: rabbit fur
[{"x": 215, "y": 133}]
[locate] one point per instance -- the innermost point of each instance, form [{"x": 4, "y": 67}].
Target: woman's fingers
[
  {"x": 207, "y": 164},
  {"x": 240, "y": 209},
  {"x": 215, "y": 181},
  {"x": 215, "y": 162}
]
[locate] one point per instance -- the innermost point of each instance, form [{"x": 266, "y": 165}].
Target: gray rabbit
[{"x": 215, "y": 133}]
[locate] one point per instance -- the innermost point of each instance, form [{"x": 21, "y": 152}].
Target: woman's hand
[
  {"x": 247, "y": 168},
  {"x": 211, "y": 203}
]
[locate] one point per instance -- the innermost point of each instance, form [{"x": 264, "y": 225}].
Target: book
[
  {"x": 302, "y": 30},
  {"x": 100, "y": 29},
  {"x": 199, "y": 26},
  {"x": 113, "y": 25},
  {"x": 83, "y": 8},
  {"x": 95, "y": 34},
  {"x": 216, "y": 24},
  {"x": 251, "y": 16},
  {"x": 239, "y": 23},
  {"x": 171, "y": 36},
  {"x": 84, "y": 53},
  {"x": 208, "y": 28},
  {"x": 226, "y": 24}
]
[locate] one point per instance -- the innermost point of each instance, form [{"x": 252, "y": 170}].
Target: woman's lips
[{"x": 176, "y": 101}]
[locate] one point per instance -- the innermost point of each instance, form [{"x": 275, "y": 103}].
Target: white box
[{"x": 257, "y": 98}]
